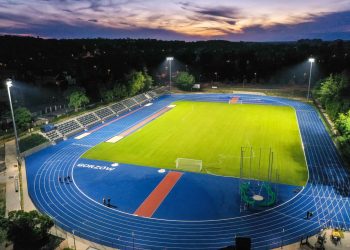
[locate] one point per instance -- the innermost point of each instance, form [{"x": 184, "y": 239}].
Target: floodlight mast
[
  {"x": 311, "y": 61},
  {"x": 170, "y": 59},
  {"x": 9, "y": 85}
]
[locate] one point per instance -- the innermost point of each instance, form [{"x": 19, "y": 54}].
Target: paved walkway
[
  {"x": 13, "y": 199},
  {"x": 27, "y": 202}
]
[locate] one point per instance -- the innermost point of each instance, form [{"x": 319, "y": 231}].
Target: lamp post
[
  {"x": 9, "y": 85},
  {"x": 170, "y": 59},
  {"x": 216, "y": 76},
  {"x": 311, "y": 61}
]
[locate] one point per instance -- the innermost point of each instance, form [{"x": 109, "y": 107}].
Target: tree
[
  {"x": 107, "y": 95},
  {"x": 148, "y": 81},
  {"x": 333, "y": 93},
  {"x": 184, "y": 80},
  {"x": 3, "y": 228},
  {"x": 120, "y": 91},
  {"x": 23, "y": 117},
  {"x": 77, "y": 99},
  {"x": 28, "y": 230},
  {"x": 136, "y": 82},
  {"x": 343, "y": 124}
]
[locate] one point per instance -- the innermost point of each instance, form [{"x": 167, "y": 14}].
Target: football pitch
[{"x": 215, "y": 133}]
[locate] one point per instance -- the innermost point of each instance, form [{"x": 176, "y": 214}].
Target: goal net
[{"x": 190, "y": 165}]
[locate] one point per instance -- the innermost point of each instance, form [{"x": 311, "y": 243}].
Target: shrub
[{"x": 31, "y": 142}]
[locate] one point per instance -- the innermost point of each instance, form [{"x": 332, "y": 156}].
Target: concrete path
[
  {"x": 27, "y": 202},
  {"x": 13, "y": 199}
]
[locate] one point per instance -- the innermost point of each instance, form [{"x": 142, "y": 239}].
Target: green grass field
[{"x": 215, "y": 133}]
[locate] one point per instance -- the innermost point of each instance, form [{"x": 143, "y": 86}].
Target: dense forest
[{"x": 97, "y": 64}]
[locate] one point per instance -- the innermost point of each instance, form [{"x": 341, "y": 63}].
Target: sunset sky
[{"x": 247, "y": 20}]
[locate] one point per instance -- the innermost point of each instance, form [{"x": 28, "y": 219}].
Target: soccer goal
[{"x": 190, "y": 165}]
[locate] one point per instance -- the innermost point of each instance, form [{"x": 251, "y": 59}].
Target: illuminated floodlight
[
  {"x": 312, "y": 60},
  {"x": 9, "y": 83},
  {"x": 170, "y": 58}
]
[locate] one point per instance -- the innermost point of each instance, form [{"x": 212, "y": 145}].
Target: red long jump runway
[
  {"x": 234, "y": 100},
  {"x": 153, "y": 201}
]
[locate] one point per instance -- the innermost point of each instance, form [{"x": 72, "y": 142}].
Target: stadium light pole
[
  {"x": 9, "y": 85},
  {"x": 170, "y": 59},
  {"x": 311, "y": 61}
]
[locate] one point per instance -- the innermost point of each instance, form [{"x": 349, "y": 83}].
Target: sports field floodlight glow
[
  {"x": 311, "y": 61},
  {"x": 9, "y": 85},
  {"x": 170, "y": 59}
]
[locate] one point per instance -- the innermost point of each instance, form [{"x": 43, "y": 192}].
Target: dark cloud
[
  {"x": 232, "y": 13},
  {"x": 326, "y": 26},
  {"x": 218, "y": 11},
  {"x": 81, "y": 29}
]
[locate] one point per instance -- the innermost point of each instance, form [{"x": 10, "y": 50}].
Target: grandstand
[
  {"x": 70, "y": 127},
  {"x": 77, "y": 124},
  {"x": 54, "y": 135},
  {"x": 87, "y": 120},
  {"x": 119, "y": 108},
  {"x": 141, "y": 99},
  {"x": 130, "y": 103},
  {"x": 104, "y": 113}
]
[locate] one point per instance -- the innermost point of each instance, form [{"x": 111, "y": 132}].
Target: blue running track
[{"x": 215, "y": 219}]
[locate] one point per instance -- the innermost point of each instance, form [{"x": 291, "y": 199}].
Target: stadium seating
[
  {"x": 141, "y": 99},
  {"x": 88, "y": 119},
  {"x": 104, "y": 113},
  {"x": 53, "y": 135},
  {"x": 69, "y": 127},
  {"x": 149, "y": 98},
  {"x": 118, "y": 108},
  {"x": 130, "y": 103},
  {"x": 152, "y": 94},
  {"x": 76, "y": 125}
]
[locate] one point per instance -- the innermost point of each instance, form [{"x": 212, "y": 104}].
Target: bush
[
  {"x": 184, "y": 81},
  {"x": 28, "y": 230},
  {"x": 31, "y": 142}
]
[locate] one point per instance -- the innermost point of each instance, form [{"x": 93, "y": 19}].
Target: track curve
[{"x": 326, "y": 194}]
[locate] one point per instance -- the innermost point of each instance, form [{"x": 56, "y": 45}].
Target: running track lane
[
  {"x": 72, "y": 210},
  {"x": 153, "y": 201}
]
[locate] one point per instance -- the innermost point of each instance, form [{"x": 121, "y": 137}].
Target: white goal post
[{"x": 190, "y": 165}]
